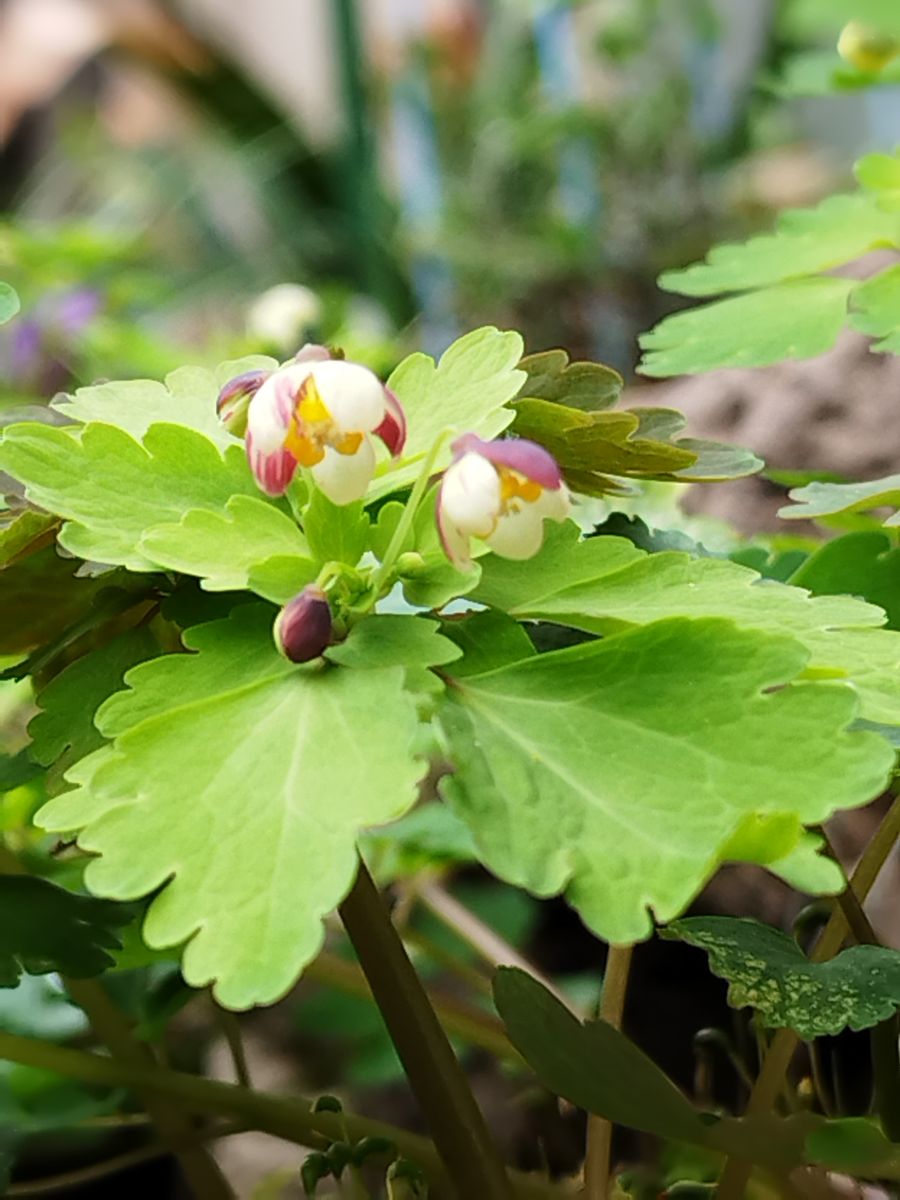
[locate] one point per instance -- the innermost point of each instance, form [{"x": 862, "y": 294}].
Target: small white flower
[
  {"x": 499, "y": 492},
  {"x": 322, "y": 413},
  {"x": 283, "y": 314}
]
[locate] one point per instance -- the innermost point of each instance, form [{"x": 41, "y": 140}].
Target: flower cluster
[{"x": 322, "y": 413}]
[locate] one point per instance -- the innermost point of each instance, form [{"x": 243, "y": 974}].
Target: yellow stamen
[
  {"x": 348, "y": 443},
  {"x": 305, "y": 449},
  {"x": 516, "y": 487},
  {"x": 311, "y": 408}
]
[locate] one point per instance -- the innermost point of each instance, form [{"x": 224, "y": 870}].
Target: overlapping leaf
[
  {"x": 466, "y": 391},
  {"x": 225, "y": 548},
  {"x": 880, "y": 174},
  {"x": 590, "y": 387},
  {"x": 807, "y": 241},
  {"x": 618, "y": 771},
  {"x": 188, "y": 397},
  {"x": 44, "y": 928},
  {"x": 64, "y": 731},
  {"x": 23, "y": 531},
  {"x": 798, "y": 319},
  {"x": 875, "y": 308},
  {"x": 112, "y": 489},
  {"x": 766, "y": 970},
  {"x": 817, "y": 499},
  {"x": 864, "y": 564},
  {"x": 237, "y": 784},
  {"x": 605, "y": 584}
]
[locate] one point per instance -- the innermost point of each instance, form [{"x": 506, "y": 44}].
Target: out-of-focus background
[{"x": 191, "y": 180}]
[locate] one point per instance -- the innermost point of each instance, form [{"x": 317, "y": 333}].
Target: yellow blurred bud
[{"x": 865, "y": 48}]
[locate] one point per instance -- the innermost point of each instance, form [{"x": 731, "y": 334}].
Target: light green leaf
[
  {"x": 799, "y": 319},
  {"x": 44, "y": 928},
  {"x": 237, "y": 784},
  {"x": 583, "y": 385},
  {"x": 766, "y": 970},
  {"x": 9, "y": 303},
  {"x": 335, "y": 532},
  {"x": 817, "y": 499},
  {"x": 465, "y": 392},
  {"x": 188, "y": 397},
  {"x": 224, "y": 548},
  {"x": 488, "y": 639},
  {"x": 64, "y": 731},
  {"x": 624, "y": 755},
  {"x": 807, "y": 241},
  {"x": 880, "y": 173},
  {"x": 394, "y": 639},
  {"x": 606, "y": 584},
  {"x": 112, "y": 489},
  {"x": 875, "y": 309}
]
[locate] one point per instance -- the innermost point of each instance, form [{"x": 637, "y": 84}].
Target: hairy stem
[
  {"x": 599, "y": 1131},
  {"x": 441, "y": 1088},
  {"x": 736, "y": 1173}
]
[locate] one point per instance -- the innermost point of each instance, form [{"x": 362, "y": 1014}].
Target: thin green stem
[
  {"x": 599, "y": 1131},
  {"x": 230, "y": 1026},
  {"x": 736, "y": 1173},
  {"x": 290, "y": 1118},
  {"x": 484, "y": 940},
  {"x": 112, "y": 1028},
  {"x": 395, "y": 545},
  {"x": 462, "y": 1020},
  {"x": 441, "y": 1088},
  {"x": 442, "y": 957}
]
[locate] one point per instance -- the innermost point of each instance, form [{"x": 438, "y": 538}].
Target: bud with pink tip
[
  {"x": 303, "y": 627},
  {"x": 234, "y": 400}
]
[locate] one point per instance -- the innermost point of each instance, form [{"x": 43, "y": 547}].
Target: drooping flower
[
  {"x": 303, "y": 627},
  {"x": 499, "y": 492},
  {"x": 321, "y": 413}
]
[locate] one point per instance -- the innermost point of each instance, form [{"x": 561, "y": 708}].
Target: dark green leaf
[
  {"x": 488, "y": 639},
  {"x": 865, "y": 564},
  {"x": 45, "y": 928},
  {"x": 766, "y": 970},
  {"x": 584, "y": 385}
]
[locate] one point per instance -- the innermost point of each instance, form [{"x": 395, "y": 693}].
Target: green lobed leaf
[
  {"x": 614, "y": 771},
  {"x": 226, "y": 548},
  {"x": 64, "y": 730},
  {"x": 45, "y": 928},
  {"x": 605, "y": 584},
  {"x": 16, "y": 769},
  {"x": 807, "y": 241},
  {"x": 336, "y": 533},
  {"x": 112, "y": 489},
  {"x": 9, "y": 303},
  {"x": 188, "y": 397},
  {"x": 766, "y": 970},
  {"x": 466, "y": 391},
  {"x": 798, "y": 319},
  {"x": 875, "y": 309},
  {"x": 394, "y": 639},
  {"x": 587, "y": 386},
  {"x": 880, "y": 173},
  {"x": 864, "y": 564},
  {"x": 487, "y": 639},
  {"x": 237, "y": 785},
  {"x": 818, "y": 499}
]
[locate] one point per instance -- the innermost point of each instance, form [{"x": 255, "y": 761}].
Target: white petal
[
  {"x": 271, "y": 409},
  {"x": 470, "y": 495},
  {"x": 352, "y": 394},
  {"x": 554, "y": 503},
  {"x": 518, "y": 534},
  {"x": 345, "y": 477}
]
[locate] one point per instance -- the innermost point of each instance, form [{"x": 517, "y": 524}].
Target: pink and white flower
[
  {"x": 322, "y": 413},
  {"x": 499, "y": 492}
]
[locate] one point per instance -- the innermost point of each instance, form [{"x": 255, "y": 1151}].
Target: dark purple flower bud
[
  {"x": 303, "y": 627},
  {"x": 234, "y": 400}
]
